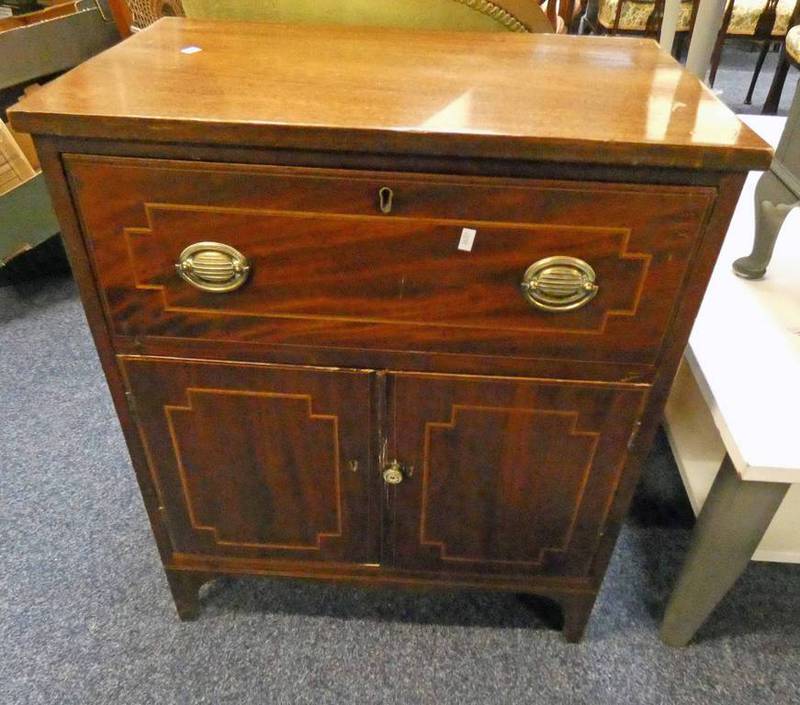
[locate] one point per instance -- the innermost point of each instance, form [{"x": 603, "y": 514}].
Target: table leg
[
  {"x": 773, "y": 203},
  {"x": 729, "y": 528},
  {"x": 669, "y": 24},
  {"x": 773, "y": 101},
  {"x": 704, "y": 36}
]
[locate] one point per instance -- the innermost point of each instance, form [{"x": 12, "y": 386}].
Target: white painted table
[{"x": 733, "y": 418}]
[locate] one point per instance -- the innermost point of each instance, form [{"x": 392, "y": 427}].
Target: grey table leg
[
  {"x": 704, "y": 36},
  {"x": 669, "y": 24},
  {"x": 773, "y": 203},
  {"x": 728, "y": 530}
]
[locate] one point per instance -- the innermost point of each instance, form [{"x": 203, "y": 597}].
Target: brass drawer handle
[
  {"x": 559, "y": 283},
  {"x": 213, "y": 266}
]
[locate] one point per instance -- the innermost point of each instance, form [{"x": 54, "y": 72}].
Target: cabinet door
[
  {"x": 502, "y": 475},
  {"x": 259, "y": 461}
]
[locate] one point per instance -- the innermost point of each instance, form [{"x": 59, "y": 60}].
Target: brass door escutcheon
[
  {"x": 559, "y": 283},
  {"x": 213, "y": 267},
  {"x": 393, "y": 473}
]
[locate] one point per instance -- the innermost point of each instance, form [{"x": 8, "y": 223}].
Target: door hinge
[
  {"x": 166, "y": 522},
  {"x": 131, "y": 400},
  {"x": 634, "y": 433}
]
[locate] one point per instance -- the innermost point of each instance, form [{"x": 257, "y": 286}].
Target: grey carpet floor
[
  {"x": 735, "y": 72},
  {"x": 86, "y": 617}
]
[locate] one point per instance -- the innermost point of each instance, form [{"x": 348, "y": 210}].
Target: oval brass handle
[
  {"x": 393, "y": 473},
  {"x": 559, "y": 283},
  {"x": 213, "y": 266}
]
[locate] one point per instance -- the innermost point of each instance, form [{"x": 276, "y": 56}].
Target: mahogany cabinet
[{"x": 402, "y": 313}]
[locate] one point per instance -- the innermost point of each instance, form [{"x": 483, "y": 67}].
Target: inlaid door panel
[
  {"x": 258, "y": 460},
  {"x": 502, "y": 475}
]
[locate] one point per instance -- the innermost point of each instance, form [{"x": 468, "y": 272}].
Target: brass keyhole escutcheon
[
  {"x": 385, "y": 197},
  {"x": 393, "y": 473}
]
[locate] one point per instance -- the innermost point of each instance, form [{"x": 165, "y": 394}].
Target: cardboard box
[{"x": 15, "y": 168}]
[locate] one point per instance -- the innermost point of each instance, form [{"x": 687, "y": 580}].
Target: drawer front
[
  {"x": 259, "y": 461},
  {"x": 326, "y": 266},
  {"x": 505, "y": 476}
]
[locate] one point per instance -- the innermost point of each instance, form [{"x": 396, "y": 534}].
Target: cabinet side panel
[
  {"x": 699, "y": 274},
  {"x": 50, "y": 159}
]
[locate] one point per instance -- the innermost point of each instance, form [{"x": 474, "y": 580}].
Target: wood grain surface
[
  {"x": 509, "y": 476},
  {"x": 544, "y": 97},
  {"x": 257, "y": 461},
  {"x": 329, "y": 267}
]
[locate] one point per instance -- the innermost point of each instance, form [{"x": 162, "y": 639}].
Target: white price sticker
[{"x": 467, "y": 239}]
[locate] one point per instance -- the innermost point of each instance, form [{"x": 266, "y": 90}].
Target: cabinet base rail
[{"x": 575, "y": 597}]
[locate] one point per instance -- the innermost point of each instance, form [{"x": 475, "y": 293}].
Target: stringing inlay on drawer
[{"x": 584, "y": 270}]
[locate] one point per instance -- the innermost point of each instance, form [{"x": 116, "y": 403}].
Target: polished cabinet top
[{"x": 605, "y": 100}]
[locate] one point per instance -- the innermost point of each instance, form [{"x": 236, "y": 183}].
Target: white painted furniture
[
  {"x": 733, "y": 417},
  {"x": 706, "y": 28}
]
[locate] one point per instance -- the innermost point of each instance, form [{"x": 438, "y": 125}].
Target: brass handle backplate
[
  {"x": 393, "y": 473},
  {"x": 559, "y": 283},
  {"x": 213, "y": 266}
]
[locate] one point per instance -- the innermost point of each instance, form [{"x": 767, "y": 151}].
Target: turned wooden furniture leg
[
  {"x": 773, "y": 203},
  {"x": 728, "y": 530},
  {"x": 716, "y": 57},
  {"x": 185, "y": 587},
  {"x": 765, "y": 47},
  {"x": 773, "y": 100}
]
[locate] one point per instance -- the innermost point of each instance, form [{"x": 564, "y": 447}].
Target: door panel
[
  {"x": 503, "y": 475},
  {"x": 257, "y": 460}
]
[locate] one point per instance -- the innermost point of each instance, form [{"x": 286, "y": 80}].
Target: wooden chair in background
[
  {"x": 640, "y": 17},
  {"x": 761, "y": 21},
  {"x": 790, "y": 56}
]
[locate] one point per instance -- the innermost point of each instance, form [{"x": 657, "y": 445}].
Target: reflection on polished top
[{"x": 587, "y": 99}]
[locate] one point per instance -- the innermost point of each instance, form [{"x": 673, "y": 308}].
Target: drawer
[{"x": 330, "y": 264}]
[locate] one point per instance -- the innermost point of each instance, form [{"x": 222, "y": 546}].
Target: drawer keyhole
[{"x": 385, "y": 196}]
